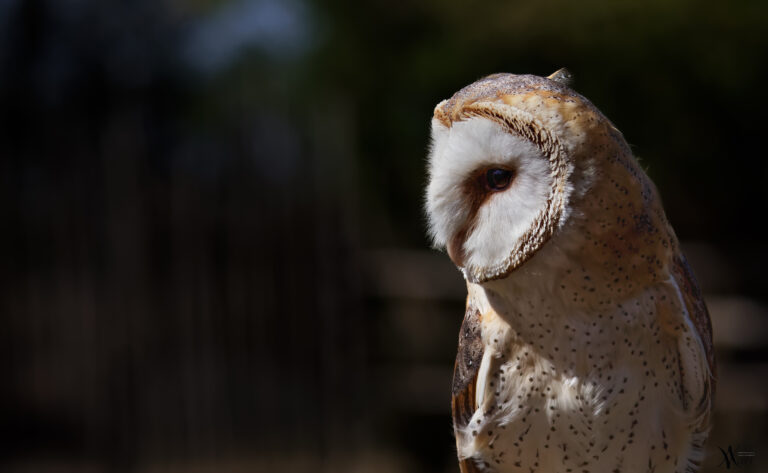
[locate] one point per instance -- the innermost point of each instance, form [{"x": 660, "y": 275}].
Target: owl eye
[{"x": 498, "y": 179}]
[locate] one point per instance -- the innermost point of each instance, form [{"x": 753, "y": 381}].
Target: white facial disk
[{"x": 481, "y": 226}]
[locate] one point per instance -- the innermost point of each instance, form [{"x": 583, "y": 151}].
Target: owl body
[{"x": 586, "y": 345}]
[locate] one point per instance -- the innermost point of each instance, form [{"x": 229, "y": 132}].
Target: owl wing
[
  {"x": 696, "y": 353},
  {"x": 468, "y": 357}
]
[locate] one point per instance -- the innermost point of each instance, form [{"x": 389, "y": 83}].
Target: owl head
[{"x": 511, "y": 157}]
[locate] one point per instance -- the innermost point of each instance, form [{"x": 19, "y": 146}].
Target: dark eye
[{"x": 498, "y": 179}]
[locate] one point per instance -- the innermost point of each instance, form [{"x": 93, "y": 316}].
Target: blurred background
[{"x": 213, "y": 251}]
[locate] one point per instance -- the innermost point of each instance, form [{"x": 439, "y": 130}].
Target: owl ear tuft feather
[{"x": 562, "y": 76}]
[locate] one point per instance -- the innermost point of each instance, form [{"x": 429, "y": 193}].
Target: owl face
[
  {"x": 488, "y": 186},
  {"x": 501, "y": 170}
]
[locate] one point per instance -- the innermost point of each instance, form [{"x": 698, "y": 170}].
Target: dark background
[{"x": 213, "y": 253}]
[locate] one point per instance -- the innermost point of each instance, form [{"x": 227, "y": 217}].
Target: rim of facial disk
[{"x": 524, "y": 124}]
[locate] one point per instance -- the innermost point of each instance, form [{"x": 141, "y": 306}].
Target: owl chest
[{"x": 548, "y": 398}]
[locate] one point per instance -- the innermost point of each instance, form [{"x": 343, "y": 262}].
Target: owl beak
[{"x": 456, "y": 251}]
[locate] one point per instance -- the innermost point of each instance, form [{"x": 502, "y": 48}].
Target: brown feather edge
[
  {"x": 468, "y": 357},
  {"x": 697, "y": 310},
  {"x": 468, "y": 466},
  {"x": 699, "y": 315}
]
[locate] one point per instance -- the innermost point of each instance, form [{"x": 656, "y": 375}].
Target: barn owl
[{"x": 586, "y": 345}]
